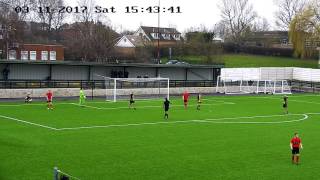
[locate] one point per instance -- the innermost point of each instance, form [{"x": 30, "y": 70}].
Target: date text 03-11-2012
[{"x": 99, "y": 9}]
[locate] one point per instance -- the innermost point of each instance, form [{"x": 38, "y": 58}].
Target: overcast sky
[{"x": 194, "y": 13}]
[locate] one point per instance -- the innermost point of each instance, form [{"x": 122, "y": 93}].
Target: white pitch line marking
[
  {"x": 126, "y": 107},
  {"x": 211, "y": 120},
  {"x": 27, "y": 122},
  {"x": 305, "y": 116}
]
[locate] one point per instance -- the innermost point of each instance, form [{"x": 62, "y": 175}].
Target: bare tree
[
  {"x": 7, "y": 9},
  {"x": 261, "y": 24},
  {"x": 95, "y": 37},
  {"x": 220, "y": 30},
  {"x": 51, "y": 19},
  {"x": 238, "y": 15},
  {"x": 288, "y": 9},
  {"x": 12, "y": 22},
  {"x": 88, "y": 14}
]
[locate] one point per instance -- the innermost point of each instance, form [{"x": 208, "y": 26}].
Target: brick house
[{"x": 37, "y": 52}]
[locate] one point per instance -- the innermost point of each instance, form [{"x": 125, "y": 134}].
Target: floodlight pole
[
  {"x": 318, "y": 48},
  {"x": 7, "y": 49},
  {"x": 7, "y": 42},
  {"x": 158, "y": 57}
]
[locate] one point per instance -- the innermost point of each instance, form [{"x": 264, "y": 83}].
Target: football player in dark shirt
[
  {"x": 198, "y": 101},
  {"x": 166, "y": 105},
  {"x": 285, "y": 104},
  {"x": 131, "y": 101}
]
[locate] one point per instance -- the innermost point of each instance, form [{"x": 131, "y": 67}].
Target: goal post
[{"x": 142, "y": 88}]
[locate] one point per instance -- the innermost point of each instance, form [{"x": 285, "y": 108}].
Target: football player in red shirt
[
  {"x": 49, "y": 96},
  {"x": 185, "y": 97},
  {"x": 295, "y": 145}
]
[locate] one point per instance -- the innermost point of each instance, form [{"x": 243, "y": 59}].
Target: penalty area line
[
  {"x": 210, "y": 120},
  {"x": 27, "y": 122}
]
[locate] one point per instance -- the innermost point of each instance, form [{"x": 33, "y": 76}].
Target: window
[
  {"x": 166, "y": 36},
  {"x": 155, "y": 35},
  {"x": 44, "y": 55},
  {"x": 53, "y": 55},
  {"x": 33, "y": 55},
  {"x": 284, "y": 42},
  {"x": 12, "y": 55},
  {"x": 24, "y": 55}
]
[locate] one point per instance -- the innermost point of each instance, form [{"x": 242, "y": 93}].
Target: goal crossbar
[{"x": 114, "y": 81}]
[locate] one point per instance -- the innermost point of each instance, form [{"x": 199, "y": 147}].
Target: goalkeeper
[{"x": 82, "y": 97}]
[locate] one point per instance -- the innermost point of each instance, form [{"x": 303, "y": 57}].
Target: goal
[
  {"x": 229, "y": 86},
  {"x": 273, "y": 87},
  {"x": 142, "y": 88},
  {"x": 252, "y": 86}
]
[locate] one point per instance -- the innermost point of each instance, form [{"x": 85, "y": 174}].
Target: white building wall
[
  {"x": 124, "y": 42},
  {"x": 235, "y": 74},
  {"x": 276, "y": 73},
  {"x": 306, "y": 74},
  {"x": 265, "y": 73},
  {"x": 141, "y": 32}
]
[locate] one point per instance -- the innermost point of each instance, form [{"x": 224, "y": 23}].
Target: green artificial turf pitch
[{"x": 231, "y": 137}]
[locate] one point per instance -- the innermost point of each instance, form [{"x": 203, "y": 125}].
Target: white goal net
[
  {"x": 142, "y": 88},
  {"x": 273, "y": 87},
  {"x": 228, "y": 86}
]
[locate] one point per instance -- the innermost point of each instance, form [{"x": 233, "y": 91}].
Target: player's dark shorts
[
  {"x": 285, "y": 105},
  {"x": 185, "y": 101},
  {"x": 295, "y": 151},
  {"x": 131, "y": 101},
  {"x": 166, "y": 108},
  {"x": 49, "y": 101}
]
